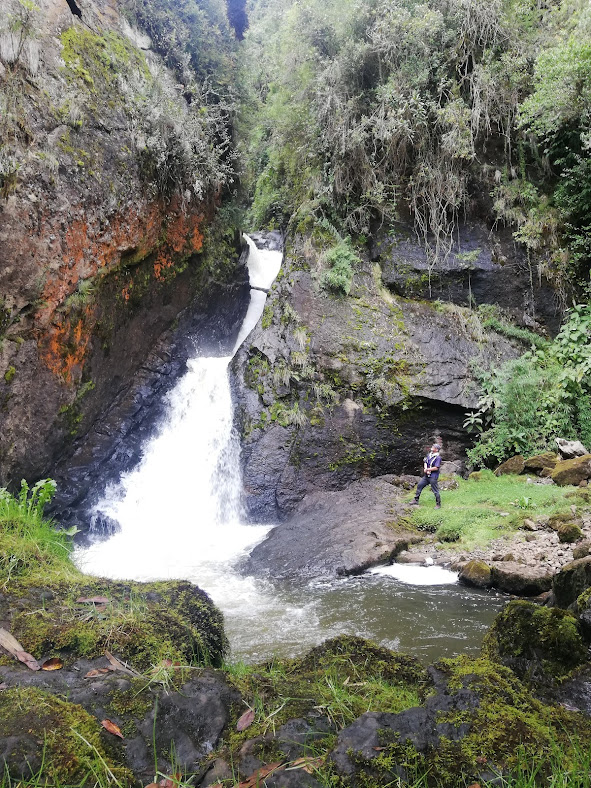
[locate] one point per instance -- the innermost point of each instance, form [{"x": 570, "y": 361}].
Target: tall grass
[
  {"x": 30, "y": 545},
  {"x": 485, "y": 509}
]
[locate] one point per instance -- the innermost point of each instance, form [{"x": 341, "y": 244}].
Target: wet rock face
[
  {"x": 483, "y": 267},
  {"x": 96, "y": 261},
  {"x": 330, "y": 534},
  {"x": 334, "y": 389}
]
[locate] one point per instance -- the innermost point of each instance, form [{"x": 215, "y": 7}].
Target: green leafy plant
[
  {"x": 342, "y": 261},
  {"x": 538, "y": 397}
]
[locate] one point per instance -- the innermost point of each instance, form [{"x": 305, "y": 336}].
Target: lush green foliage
[
  {"x": 472, "y": 515},
  {"x": 541, "y": 396},
  {"x": 362, "y": 108}
]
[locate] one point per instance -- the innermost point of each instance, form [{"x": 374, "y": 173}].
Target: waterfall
[{"x": 179, "y": 511}]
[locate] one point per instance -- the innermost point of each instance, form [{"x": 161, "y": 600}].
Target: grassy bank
[{"x": 486, "y": 507}]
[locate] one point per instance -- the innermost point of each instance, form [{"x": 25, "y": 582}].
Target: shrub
[
  {"x": 342, "y": 261},
  {"x": 542, "y": 395}
]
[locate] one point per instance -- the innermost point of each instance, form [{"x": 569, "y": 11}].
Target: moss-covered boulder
[
  {"x": 556, "y": 520},
  {"x": 572, "y": 471},
  {"x": 476, "y": 573},
  {"x": 143, "y": 623},
  {"x": 582, "y": 550},
  {"x": 540, "y": 461},
  {"x": 513, "y": 465},
  {"x": 475, "y": 725},
  {"x": 537, "y": 643},
  {"x": 572, "y": 580},
  {"x": 41, "y": 732},
  {"x": 569, "y": 533}
]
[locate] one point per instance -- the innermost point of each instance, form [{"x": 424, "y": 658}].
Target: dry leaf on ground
[
  {"x": 93, "y": 600},
  {"x": 112, "y": 728},
  {"x": 117, "y": 665},
  {"x": 97, "y": 672},
  {"x": 307, "y": 764},
  {"x": 55, "y": 663},
  {"x": 14, "y": 648},
  {"x": 246, "y": 720},
  {"x": 254, "y": 780},
  {"x": 28, "y": 660}
]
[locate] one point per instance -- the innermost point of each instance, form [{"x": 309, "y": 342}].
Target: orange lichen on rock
[
  {"x": 67, "y": 344},
  {"x": 89, "y": 251}
]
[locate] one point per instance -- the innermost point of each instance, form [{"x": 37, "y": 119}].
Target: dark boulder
[
  {"x": 512, "y": 465},
  {"x": 569, "y": 532},
  {"x": 520, "y": 579},
  {"x": 540, "y": 461},
  {"x": 572, "y": 580},
  {"x": 334, "y": 533}
]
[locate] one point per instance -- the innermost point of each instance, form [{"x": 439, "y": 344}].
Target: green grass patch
[
  {"x": 340, "y": 680},
  {"x": 487, "y": 507},
  {"x": 31, "y": 547}
]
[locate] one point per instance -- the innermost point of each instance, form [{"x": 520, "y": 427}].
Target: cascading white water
[
  {"x": 179, "y": 516},
  {"x": 179, "y": 511}
]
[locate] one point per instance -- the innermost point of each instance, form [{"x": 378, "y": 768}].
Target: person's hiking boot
[
  {"x": 414, "y": 502},
  {"x": 438, "y": 506}
]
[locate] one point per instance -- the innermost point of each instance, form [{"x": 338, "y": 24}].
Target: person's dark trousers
[{"x": 432, "y": 480}]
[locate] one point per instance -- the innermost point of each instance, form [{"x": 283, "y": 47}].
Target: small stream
[{"x": 179, "y": 515}]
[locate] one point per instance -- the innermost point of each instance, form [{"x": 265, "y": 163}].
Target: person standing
[{"x": 431, "y": 465}]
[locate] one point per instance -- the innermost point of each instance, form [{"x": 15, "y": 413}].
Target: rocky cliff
[
  {"x": 109, "y": 186},
  {"x": 333, "y": 388}
]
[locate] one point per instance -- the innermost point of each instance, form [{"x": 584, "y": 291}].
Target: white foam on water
[{"x": 417, "y": 575}]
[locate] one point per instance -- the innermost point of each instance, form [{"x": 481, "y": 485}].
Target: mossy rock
[
  {"x": 582, "y": 550},
  {"x": 557, "y": 520},
  {"x": 572, "y": 580},
  {"x": 514, "y": 465},
  {"x": 329, "y": 687},
  {"x": 569, "y": 533},
  {"x": 38, "y": 730},
  {"x": 478, "y": 721},
  {"x": 540, "y": 461},
  {"x": 537, "y": 643},
  {"x": 143, "y": 623},
  {"x": 572, "y": 471},
  {"x": 476, "y": 573},
  {"x": 365, "y": 656}
]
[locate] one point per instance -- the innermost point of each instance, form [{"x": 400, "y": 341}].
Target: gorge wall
[
  {"x": 109, "y": 189},
  {"x": 334, "y": 388}
]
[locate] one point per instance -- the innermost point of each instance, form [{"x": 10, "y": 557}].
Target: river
[{"x": 179, "y": 515}]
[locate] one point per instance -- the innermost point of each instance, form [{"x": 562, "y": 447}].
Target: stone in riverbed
[
  {"x": 582, "y": 550},
  {"x": 572, "y": 471},
  {"x": 535, "y": 642},
  {"x": 569, "y": 532},
  {"x": 572, "y": 580},
  {"x": 519, "y": 579},
  {"x": 512, "y": 465},
  {"x": 476, "y": 573}
]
